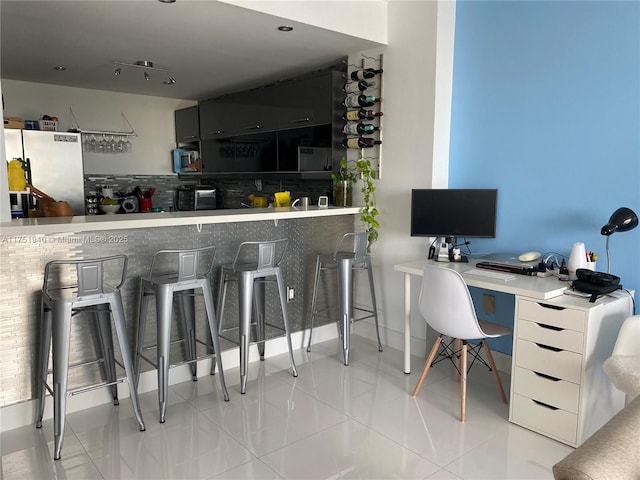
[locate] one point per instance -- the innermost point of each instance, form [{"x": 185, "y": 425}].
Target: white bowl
[{"x": 109, "y": 209}]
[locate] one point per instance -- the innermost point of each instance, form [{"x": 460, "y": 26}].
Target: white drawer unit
[{"x": 558, "y": 387}]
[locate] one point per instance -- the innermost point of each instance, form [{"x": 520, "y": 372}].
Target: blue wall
[{"x": 546, "y": 108}]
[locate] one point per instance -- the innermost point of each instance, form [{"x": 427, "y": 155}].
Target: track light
[{"x": 146, "y": 65}]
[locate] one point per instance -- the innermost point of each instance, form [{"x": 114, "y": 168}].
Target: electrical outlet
[{"x": 291, "y": 294}]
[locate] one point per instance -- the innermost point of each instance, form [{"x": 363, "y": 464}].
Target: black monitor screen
[{"x": 453, "y": 213}]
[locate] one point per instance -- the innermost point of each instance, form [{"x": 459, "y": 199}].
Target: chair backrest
[
  {"x": 263, "y": 255},
  {"x": 90, "y": 275},
  {"x": 628, "y": 341},
  {"x": 446, "y": 304},
  {"x": 360, "y": 243},
  {"x": 187, "y": 263}
]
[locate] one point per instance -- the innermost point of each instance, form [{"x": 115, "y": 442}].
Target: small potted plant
[{"x": 343, "y": 181}]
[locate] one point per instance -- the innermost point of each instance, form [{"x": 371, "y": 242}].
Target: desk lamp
[{"x": 622, "y": 220}]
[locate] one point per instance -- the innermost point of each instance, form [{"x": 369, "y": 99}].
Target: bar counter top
[{"x": 91, "y": 223}]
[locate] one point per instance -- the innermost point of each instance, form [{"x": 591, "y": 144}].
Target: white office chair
[
  {"x": 446, "y": 305},
  {"x": 623, "y": 367}
]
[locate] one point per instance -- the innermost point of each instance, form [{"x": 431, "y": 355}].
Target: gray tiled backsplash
[{"x": 230, "y": 193}]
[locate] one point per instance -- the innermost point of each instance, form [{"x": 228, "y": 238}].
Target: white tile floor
[{"x": 331, "y": 422}]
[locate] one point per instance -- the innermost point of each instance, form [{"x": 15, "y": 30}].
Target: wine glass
[
  {"x": 120, "y": 147},
  {"x": 128, "y": 145},
  {"x": 112, "y": 144},
  {"x": 102, "y": 144}
]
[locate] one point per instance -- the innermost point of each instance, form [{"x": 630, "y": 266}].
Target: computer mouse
[{"x": 529, "y": 256}]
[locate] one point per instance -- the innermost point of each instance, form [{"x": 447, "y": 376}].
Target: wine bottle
[
  {"x": 364, "y": 73},
  {"x": 359, "y": 129},
  {"x": 360, "y": 101},
  {"x": 362, "y": 114},
  {"x": 360, "y": 142},
  {"x": 357, "y": 87}
]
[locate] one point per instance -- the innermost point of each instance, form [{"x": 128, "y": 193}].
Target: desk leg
[{"x": 407, "y": 323}]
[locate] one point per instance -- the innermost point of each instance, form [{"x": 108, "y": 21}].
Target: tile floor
[{"x": 331, "y": 422}]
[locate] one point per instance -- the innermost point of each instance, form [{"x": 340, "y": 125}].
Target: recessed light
[
  {"x": 60, "y": 68},
  {"x": 167, "y": 1},
  {"x": 285, "y": 28}
]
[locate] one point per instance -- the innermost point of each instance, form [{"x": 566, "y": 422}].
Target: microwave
[
  {"x": 314, "y": 159},
  {"x": 196, "y": 197}
]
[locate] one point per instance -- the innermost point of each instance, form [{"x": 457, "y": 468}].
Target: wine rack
[{"x": 363, "y": 109}]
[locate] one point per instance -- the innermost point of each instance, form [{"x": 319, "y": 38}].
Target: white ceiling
[{"x": 210, "y": 47}]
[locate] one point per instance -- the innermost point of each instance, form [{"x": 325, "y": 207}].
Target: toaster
[{"x": 195, "y": 197}]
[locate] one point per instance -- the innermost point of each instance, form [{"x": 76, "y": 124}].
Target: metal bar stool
[
  {"x": 255, "y": 264},
  {"x": 179, "y": 273},
  {"x": 72, "y": 287},
  {"x": 344, "y": 263}
]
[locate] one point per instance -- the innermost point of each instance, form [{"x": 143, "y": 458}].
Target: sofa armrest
[{"x": 612, "y": 452}]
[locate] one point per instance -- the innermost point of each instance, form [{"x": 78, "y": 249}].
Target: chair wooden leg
[
  {"x": 427, "y": 365},
  {"x": 457, "y": 347},
  {"x": 463, "y": 382},
  {"x": 492, "y": 364}
]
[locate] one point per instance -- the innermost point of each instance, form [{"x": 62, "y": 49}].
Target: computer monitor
[{"x": 452, "y": 213}]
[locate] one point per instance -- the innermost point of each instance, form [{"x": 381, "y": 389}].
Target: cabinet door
[
  {"x": 232, "y": 115},
  {"x": 187, "y": 125}
]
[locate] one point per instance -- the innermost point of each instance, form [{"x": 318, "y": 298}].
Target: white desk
[
  {"x": 558, "y": 387},
  {"x": 531, "y": 287}
]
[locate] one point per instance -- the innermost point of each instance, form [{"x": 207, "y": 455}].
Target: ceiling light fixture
[
  {"x": 167, "y": 1},
  {"x": 285, "y": 28},
  {"x": 147, "y": 66},
  {"x": 60, "y": 68}
]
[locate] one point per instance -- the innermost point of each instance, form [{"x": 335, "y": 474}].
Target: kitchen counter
[
  {"x": 92, "y": 223},
  {"x": 26, "y": 245}
]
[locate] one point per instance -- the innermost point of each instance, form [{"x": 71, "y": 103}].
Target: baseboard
[{"x": 23, "y": 413}]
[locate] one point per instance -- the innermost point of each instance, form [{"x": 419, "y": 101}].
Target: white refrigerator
[{"x": 56, "y": 163}]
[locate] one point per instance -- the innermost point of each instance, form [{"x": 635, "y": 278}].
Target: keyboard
[{"x": 506, "y": 277}]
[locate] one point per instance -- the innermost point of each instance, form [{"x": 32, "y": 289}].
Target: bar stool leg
[
  {"x": 285, "y": 317},
  {"x": 121, "y": 331},
  {"x": 213, "y": 328},
  {"x": 314, "y": 301},
  {"x": 103, "y": 320},
  {"x": 259, "y": 287},
  {"x": 345, "y": 277},
  {"x": 372, "y": 288},
  {"x": 164, "y": 302},
  {"x": 142, "y": 319},
  {"x": 187, "y": 303},
  {"x": 43, "y": 361},
  {"x": 222, "y": 295},
  {"x": 245, "y": 295},
  {"x": 61, "y": 333}
]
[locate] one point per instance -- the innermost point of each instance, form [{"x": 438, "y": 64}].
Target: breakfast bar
[{"x": 26, "y": 245}]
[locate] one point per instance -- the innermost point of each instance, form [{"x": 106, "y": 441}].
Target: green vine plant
[{"x": 350, "y": 171}]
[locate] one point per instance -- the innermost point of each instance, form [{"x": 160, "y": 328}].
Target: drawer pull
[
  {"x": 549, "y": 327},
  {"x": 254, "y": 127},
  {"x": 547, "y": 347},
  {"x": 548, "y": 377},
  {"x": 216, "y": 132},
  {"x": 552, "y": 307},
  {"x": 546, "y": 405}
]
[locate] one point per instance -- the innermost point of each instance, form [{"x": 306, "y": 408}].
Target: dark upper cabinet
[
  {"x": 286, "y": 127},
  {"x": 293, "y": 104},
  {"x": 187, "y": 122}
]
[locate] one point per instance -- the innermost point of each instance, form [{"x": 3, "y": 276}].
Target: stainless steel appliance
[
  {"x": 196, "y": 197},
  {"x": 314, "y": 159},
  {"x": 56, "y": 163}
]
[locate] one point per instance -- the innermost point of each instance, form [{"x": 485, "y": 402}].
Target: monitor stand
[{"x": 453, "y": 241}]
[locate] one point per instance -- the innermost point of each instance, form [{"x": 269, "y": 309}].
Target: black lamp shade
[{"x": 622, "y": 220}]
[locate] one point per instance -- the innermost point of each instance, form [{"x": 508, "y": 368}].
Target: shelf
[{"x": 78, "y": 129}]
